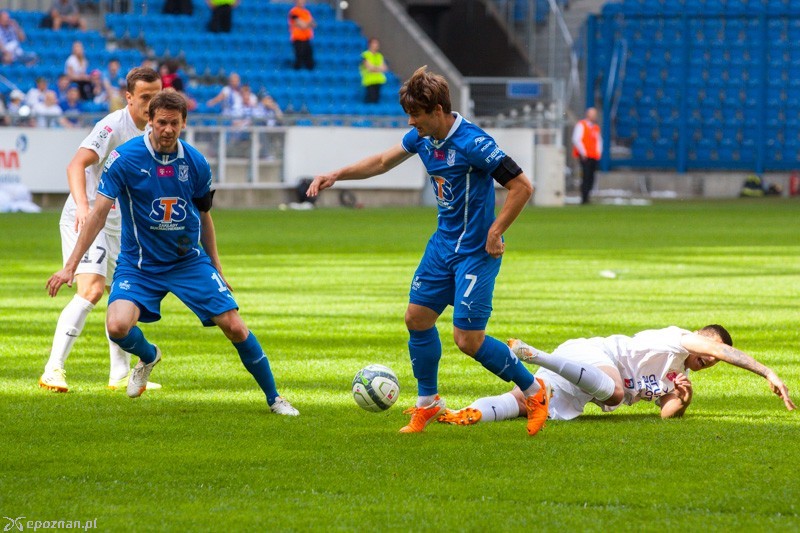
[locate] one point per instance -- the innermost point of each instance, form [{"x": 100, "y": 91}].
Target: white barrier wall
[{"x": 38, "y": 158}]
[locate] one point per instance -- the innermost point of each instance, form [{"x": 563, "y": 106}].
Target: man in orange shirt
[
  {"x": 587, "y": 145},
  {"x": 301, "y": 31}
]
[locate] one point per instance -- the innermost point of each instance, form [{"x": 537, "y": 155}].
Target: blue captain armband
[
  {"x": 507, "y": 170},
  {"x": 204, "y": 202}
]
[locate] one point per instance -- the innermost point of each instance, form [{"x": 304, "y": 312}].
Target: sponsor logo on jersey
[
  {"x": 165, "y": 172},
  {"x": 438, "y": 155},
  {"x": 183, "y": 172},
  {"x": 491, "y": 156},
  {"x": 103, "y": 134},
  {"x": 110, "y": 159},
  {"x": 486, "y": 146},
  {"x": 168, "y": 209},
  {"x": 125, "y": 285},
  {"x": 628, "y": 383},
  {"x": 443, "y": 191},
  {"x": 479, "y": 140},
  {"x": 672, "y": 375},
  {"x": 108, "y": 129},
  {"x": 451, "y": 157},
  {"x": 416, "y": 284}
]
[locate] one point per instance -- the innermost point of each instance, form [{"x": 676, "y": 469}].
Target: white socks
[
  {"x": 589, "y": 379},
  {"x": 425, "y": 401},
  {"x": 120, "y": 360},
  {"x": 69, "y": 327},
  {"x": 497, "y": 408}
]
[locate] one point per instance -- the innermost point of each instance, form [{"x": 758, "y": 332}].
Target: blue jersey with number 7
[{"x": 460, "y": 168}]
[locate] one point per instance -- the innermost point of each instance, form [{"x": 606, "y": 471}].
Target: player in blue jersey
[
  {"x": 463, "y": 256},
  {"x": 168, "y": 245}
]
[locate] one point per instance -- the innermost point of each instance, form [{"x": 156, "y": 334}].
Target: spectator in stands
[
  {"x": 268, "y": 112},
  {"x": 301, "y": 32},
  {"x": 373, "y": 72},
  {"x": 77, "y": 69},
  {"x": 64, "y": 14},
  {"x": 168, "y": 72},
  {"x": 177, "y": 7},
  {"x": 115, "y": 85},
  {"x": 48, "y": 113},
  {"x": 221, "y": 15},
  {"x": 230, "y": 96},
  {"x": 587, "y": 146},
  {"x": 18, "y": 109},
  {"x": 72, "y": 107},
  {"x": 36, "y": 94},
  {"x": 62, "y": 86},
  {"x": 11, "y": 39},
  {"x": 99, "y": 93}
]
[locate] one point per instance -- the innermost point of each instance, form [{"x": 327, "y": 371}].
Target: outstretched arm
[
  {"x": 366, "y": 168},
  {"x": 94, "y": 223},
  {"x": 703, "y": 346}
]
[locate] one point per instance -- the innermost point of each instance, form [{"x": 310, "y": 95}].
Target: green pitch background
[{"x": 325, "y": 292}]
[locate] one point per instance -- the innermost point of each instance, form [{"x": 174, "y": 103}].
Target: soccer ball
[{"x": 375, "y": 388}]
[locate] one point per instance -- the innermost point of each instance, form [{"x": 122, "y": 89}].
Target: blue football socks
[
  {"x": 135, "y": 343},
  {"x": 501, "y": 361},
  {"x": 425, "y": 350},
  {"x": 255, "y": 361}
]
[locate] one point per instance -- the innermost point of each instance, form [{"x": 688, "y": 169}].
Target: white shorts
[
  {"x": 101, "y": 258},
  {"x": 568, "y": 400}
]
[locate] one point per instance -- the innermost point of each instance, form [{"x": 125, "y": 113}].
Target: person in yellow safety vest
[
  {"x": 373, "y": 69},
  {"x": 587, "y": 145},
  {"x": 221, "y": 15}
]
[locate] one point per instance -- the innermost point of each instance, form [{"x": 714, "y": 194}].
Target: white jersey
[
  {"x": 113, "y": 130},
  {"x": 648, "y": 362}
]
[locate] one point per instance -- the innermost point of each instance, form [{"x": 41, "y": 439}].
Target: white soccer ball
[{"x": 375, "y": 388}]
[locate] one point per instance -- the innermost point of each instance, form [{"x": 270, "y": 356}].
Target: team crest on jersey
[
  {"x": 451, "y": 157},
  {"x": 168, "y": 209},
  {"x": 183, "y": 172},
  {"x": 672, "y": 375},
  {"x": 110, "y": 159},
  {"x": 628, "y": 383}
]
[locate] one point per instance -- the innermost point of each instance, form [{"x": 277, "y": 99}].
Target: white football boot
[
  {"x": 54, "y": 380},
  {"x": 137, "y": 383},
  {"x": 283, "y": 407}
]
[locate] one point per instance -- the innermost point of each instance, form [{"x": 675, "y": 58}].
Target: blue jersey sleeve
[
  {"x": 410, "y": 141},
  {"x": 111, "y": 181},
  {"x": 483, "y": 153},
  {"x": 203, "y": 182}
]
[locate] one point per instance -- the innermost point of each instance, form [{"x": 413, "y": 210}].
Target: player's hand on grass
[
  {"x": 320, "y": 183},
  {"x": 58, "y": 279},
  {"x": 779, "y": 387},
  {"x": 683, "y": 389},
  {"x": 495, "y": 245}
]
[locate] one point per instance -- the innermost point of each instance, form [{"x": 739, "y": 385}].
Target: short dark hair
[
  {"x": 144, "y": 74},
  {"x": 720, "y": 331},
  {"x": 423, "y": 91},
  {"x": 168, "y": 100}
]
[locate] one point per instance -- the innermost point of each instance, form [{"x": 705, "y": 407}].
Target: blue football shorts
[
  {"x": 198, "y": 285},
  {"x": 464, "y": 281}
]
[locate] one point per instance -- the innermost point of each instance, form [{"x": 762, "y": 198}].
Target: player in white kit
[
  {"x": 611, "y": 371},
  {"x": 96, "y": 269}
]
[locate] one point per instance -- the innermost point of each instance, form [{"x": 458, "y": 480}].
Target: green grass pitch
[{"x": 325, "y": 292}]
